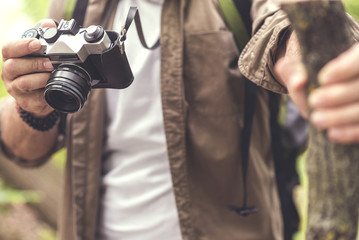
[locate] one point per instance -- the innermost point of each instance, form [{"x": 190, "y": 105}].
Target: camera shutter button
[
  {"x": 94, "y": 34},
  {"x": 51, "y": 35}
]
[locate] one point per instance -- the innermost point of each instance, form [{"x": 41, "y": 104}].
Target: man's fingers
[
  {"x": 20, "y": 47},
  {"x": 340, "y": 69},
  {"x": 344, "y": 134},
  {"x": 34, "y": 102},
  {"x": 334, "y": 117},
  {"x": 14, "y": 67},
  {"x": 26, "y": 84},
  {"x": 25, "y": 77},
  {"x": 292, "y": 74},
  {"x": 46, "y": 23},
  {"x": 334, "y": 95},
  {"x": 31, "y": 82}
]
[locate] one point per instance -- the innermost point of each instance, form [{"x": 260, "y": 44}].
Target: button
[
  {"x": 94, "y": 34},
  {"x": 51, "y": 35},
  {"x": 92, "y": 30},
  {"x": 31, "y": 33}
]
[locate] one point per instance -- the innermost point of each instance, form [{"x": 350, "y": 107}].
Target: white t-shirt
[{"x": 138, "y": 200}]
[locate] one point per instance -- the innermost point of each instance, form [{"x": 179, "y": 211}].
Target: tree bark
[{"x": 324, "y": 32}]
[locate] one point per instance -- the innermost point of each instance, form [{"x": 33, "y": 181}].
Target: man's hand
[
  {"x": 24, "y": 77},
  {"x": 335, "y": 104}
]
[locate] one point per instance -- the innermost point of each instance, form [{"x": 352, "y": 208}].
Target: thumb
[
  {"x": 292, "y": 74},
  {"x": 46, "y": 23}
]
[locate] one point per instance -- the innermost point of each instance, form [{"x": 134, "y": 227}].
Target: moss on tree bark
[{"x": 323, "y": 32}]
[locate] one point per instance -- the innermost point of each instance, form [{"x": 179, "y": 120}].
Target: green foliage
[
  {"x": 59, "y": 159},
  {"x": 301, "y": 197},
  {"x": 69, "y": 7},
  {"x": 35, "y": 13},
  {"x": 10, "y": 195},
  {"x": 352, "y": 6},
  {"x": 46, "y": 233},
  {"x": 3, "y": 91}
]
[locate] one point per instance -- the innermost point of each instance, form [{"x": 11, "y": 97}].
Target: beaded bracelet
[{"x": 40, "y": 124}]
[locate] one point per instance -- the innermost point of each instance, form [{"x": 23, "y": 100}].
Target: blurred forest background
[{"x": 28, "y": 207}]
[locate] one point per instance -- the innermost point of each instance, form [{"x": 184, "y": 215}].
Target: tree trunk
[{"x": 333, "y": 169}]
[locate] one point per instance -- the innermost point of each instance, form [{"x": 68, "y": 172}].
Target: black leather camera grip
[{"x": 113, "y": 66}]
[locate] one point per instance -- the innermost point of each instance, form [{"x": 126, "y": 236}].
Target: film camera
[{"x": 83, "y": 58}]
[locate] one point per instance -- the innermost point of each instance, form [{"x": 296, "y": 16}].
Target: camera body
[{"x": 83, "y": 58}]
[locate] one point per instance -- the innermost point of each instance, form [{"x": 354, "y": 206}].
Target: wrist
[
  {"x": 38, "y": 122},
  {"x": 284, "y": 41}
]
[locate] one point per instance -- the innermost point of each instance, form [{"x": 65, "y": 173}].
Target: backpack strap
[
  {"x": 236, "y": 13},
  {"x": 237, "y": 16},
  {"x": 244, "y": 10},
  {"x": 80, "y": 11}
]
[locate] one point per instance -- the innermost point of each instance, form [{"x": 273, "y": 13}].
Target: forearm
[{"x": 20, "y": 139}]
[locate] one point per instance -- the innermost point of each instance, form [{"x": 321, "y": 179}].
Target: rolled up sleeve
[{"x": 257, "y": 60}]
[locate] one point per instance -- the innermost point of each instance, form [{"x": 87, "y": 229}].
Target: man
[{"x": 161, "y": 159}]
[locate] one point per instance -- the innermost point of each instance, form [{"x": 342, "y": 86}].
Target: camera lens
[{"x": 68, "y": 88}]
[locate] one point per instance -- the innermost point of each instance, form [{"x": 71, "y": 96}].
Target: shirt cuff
[{"x": 257, "y": 60}]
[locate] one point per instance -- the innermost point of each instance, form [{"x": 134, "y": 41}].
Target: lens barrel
[{"x": 68, "y": 88}]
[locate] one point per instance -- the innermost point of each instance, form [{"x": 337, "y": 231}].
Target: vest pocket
[{"x": 213, "y": 83}]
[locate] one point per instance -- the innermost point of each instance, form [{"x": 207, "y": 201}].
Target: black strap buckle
[{"x": 244, "y": 211}]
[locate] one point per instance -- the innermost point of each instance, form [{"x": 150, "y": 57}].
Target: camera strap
[{"x": 133, "y": 14}]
